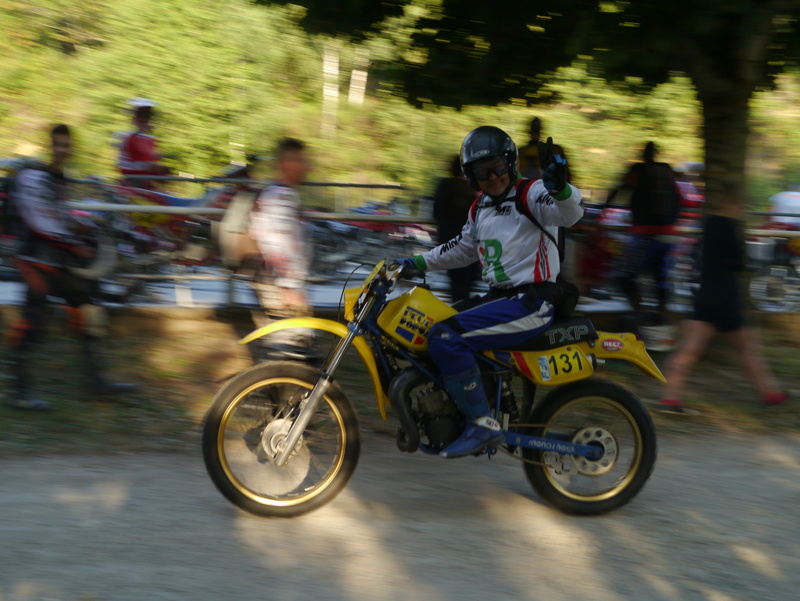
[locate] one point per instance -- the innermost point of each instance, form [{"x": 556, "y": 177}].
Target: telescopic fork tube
[{"x": 311, "y": 402}]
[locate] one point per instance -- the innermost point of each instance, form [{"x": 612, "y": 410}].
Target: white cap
[{"x": 141, "y": 103}]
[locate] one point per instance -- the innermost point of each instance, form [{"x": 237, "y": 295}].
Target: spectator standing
[
  {"x": 451, "y": 202},
  {"x": 655, "y": 204},
  {"x": 138, "y": 152},
  {"x": 529, "y": 163},
  {"x": 279, "y": 232},
  {"x": 48, "y": 247},
  {"x": 719, "y": 308},
  {"x": 786, "y": 202}
]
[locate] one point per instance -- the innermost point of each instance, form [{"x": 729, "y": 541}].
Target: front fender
[{"x": 337, "y": 329}]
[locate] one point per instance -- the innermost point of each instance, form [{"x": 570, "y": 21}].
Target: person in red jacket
[{"x": 138, "y": 153}]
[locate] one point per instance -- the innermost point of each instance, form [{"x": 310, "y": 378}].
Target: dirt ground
[
  {"x": 718, "y": 521},
  {"x": 110, "y": 501}
]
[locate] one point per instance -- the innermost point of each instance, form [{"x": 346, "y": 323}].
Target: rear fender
[
  {"x": 338, "y": 329},
  {"x": 626, "y": 347}
]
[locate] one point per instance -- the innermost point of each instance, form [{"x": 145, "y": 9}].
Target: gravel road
[{"x": 718, "y": 521}]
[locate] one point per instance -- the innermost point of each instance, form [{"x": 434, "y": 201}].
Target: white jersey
[
  {"x": 39, "y": 199},
  {"x": 511, "y": 249},
  {"x": 279, "y": 232}
]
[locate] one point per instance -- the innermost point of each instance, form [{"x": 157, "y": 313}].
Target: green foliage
[
  {"x": 50, "y": 23},
  {"x": 774, "y": 159},
  {"x": 469, "y": 51},
  {"x": 231, "y": 77}
]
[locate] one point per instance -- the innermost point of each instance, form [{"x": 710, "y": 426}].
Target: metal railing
[
  {"x": 245, "y": 181},
  {"x": 203, "y": 211},
  {"x": 107, "y": 207}
]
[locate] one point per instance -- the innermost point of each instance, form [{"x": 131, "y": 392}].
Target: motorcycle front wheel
[
  {"x": 247, "y": 424},
  {"x": 597, "y": 413}
]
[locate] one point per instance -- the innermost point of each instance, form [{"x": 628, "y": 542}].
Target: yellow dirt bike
[{"x": 282, "y": 438}]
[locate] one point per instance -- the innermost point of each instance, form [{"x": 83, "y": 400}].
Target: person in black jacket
[
  {"x": 719, "y": 308},
  {"x": 655, "y": 203},
  {"x": 451, "y": 202}
]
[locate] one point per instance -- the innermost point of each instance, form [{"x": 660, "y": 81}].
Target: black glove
[
  {"x": 408, "y": 268},
  {"x": 554, "y": 168}
]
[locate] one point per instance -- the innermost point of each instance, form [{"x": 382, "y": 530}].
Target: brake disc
[{"x": 273, "y": 438}]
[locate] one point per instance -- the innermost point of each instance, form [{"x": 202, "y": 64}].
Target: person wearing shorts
[{"x": 719, "y": 308}]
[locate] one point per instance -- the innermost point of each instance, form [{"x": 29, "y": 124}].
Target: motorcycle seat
[{"x": 562, "y": 331}]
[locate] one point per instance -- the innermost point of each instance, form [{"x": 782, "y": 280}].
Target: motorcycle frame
[
  {"x": 365, "y": 325},
  {"x": 542, "y": 443}
]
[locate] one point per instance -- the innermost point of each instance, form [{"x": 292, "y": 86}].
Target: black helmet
[{"x": 484, "y": 142}]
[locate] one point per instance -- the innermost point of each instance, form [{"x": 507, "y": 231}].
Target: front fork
[{"x": 309, "y": 404}]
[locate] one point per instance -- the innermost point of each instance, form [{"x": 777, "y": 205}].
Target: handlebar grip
[{"x": 411, "y": 273}]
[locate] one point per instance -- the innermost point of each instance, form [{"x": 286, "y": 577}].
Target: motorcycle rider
[
  {"x": 47, "y": 247},
  {"x": 519, "y": 261}
]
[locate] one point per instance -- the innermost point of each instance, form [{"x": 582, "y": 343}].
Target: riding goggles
[{"x": 497, "y": 165}]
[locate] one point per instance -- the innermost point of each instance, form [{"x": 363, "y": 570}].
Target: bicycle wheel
[
  {"x": 247, "y": 424},
  {"x": 598, "y": 413}
]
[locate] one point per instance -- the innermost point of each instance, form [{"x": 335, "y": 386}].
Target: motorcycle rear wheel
[
  {"x": 593, "y": 412},
  {"x": 247, "y": 422}
]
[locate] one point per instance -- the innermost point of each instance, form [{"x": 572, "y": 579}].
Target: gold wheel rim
[
  {"x": 632, "y": 470},
  {"x": 261, "y": 499}
]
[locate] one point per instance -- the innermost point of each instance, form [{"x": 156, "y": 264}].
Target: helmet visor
[{"x": 482, "y": 168}]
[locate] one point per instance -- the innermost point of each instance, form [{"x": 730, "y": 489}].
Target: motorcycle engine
[
  {"x": 425, "y": 412},
  {"x": 440, "y": 419}
]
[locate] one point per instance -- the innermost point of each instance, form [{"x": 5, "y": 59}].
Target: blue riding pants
[{"x": 496, "y": 324}]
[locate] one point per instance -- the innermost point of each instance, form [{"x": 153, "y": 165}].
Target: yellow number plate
[{"x": 564, "y": 365}]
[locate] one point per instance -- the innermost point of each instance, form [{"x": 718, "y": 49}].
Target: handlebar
[{"x": 406, "y": 272}]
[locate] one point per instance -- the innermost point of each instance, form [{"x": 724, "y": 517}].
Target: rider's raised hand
[{"x": 554, "y": 167}]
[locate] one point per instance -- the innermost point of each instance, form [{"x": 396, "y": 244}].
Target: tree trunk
[
  {"x": 358, "y": 78},
  {"x": 725, "y": 125},
  {"x": 726, "y": 63},
  {"x": 330, "y": 89}
]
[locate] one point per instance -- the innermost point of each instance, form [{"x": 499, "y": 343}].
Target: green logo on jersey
[{"x": 492, "y": 251}]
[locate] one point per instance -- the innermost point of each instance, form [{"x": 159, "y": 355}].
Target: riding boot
[
  {"x": 20, "y": 389},
  {"x": 482, "y": 430},
  {"x": 98, "y": 382}
]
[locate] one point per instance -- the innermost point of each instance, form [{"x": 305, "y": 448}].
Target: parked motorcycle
[
  {"x": 775, "y": 283},
  {"x": 372, "y": 239},
  {"x": 282, "y": 438},
  {"x": 334, "y": 245},
  {"x": 180, "y": 239}
]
